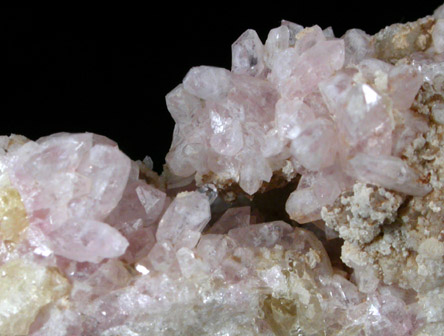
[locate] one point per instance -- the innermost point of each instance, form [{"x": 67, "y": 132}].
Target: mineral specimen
[{"x": 303, "y": 195}]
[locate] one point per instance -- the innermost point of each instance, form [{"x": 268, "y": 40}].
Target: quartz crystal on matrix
[{"x": 303, "y": 194}]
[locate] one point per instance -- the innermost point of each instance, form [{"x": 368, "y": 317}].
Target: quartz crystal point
[
  {"x": 342, "y": 134},
  {"x": 248, "y": 54}
]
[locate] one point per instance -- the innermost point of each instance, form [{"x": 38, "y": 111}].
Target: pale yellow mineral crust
[
  {"x": 25, "y": 288},
  {"x": 13, "y": 221},
  {"x": 12, "y": 214}
]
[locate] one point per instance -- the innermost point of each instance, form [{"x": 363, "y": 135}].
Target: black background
[{"x": 107, "y": 71}]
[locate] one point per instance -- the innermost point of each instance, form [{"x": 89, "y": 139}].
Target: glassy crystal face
[{"x": 302, "y": 195}]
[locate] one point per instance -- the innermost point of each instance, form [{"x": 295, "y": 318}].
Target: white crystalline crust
[{"x": 93, "y": 243}]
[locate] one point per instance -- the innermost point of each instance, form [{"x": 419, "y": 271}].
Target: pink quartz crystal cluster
[
  {"x": 305, "y": 102},
  {"x": 93, "y": 243}
]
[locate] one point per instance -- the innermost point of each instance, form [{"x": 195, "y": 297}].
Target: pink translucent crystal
[
  {"x": 278, "y": 40},
  {"x": 188, "y": 212},
  {"x": 226, "y": 137},
  {"x": 389, "y": 172},
  {"x": 407, "y": 130},
  {"x": 299, "y": 70},
  {"x": 238, "y": 266},
  {"x": 372, "y": 69},
  {"x": 190, "y": 265},
  {"x": 208, "y": 82},
  {"x": 109, "y": 276},
  {"x": 313, "y": 67},
  {"x": 224, "y": 166},
  {"x": 358, "y": 109},
  {"x": 308, "y": 38},
  {"x": 108, "y": 169},
  {"x": 357, "y": 46},
  {"x": 141, "y": 240},
  {"x": 316, "y": 146},
  {"x": 32, "y": 173},
  {"x": 213, "y": 248},
  {"x": 188, "y": 238},
  {"x": 139, "y": 201},
  {"x": 292, "y": 117},
  {"x": 87, "y": 240},
  {"x": 253, "y": 171},
  {"x": 293, "y": 29},
  {"x": 342, "y": 292},
  {"x": 181, "y": 104},
  {"x": 161, "y": 256},
  {"x": 247, "y": 54},
  {"x": 70, "y": 183},
  {"x": 315, "y": 190},
  {"x": 252, "y": 99},
  {"x": 386, "y": 314},
  {"x": 316, "y": 104},
  {"x": 179, "y": 158},
  {"x": 404, "y": 82},
  {"x": 257, "y": 235},
  {"x": 232, "y": 218}
]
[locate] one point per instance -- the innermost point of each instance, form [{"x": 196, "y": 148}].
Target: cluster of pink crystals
[
  {"x": 140, "y": 262},
  {"x": 321, "y": 103},
  {"x": 121, "y": 252}
]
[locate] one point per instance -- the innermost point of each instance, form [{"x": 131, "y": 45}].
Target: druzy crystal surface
[{"x": 303, "y": 194}]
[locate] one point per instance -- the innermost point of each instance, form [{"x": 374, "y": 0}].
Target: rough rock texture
[
  {"x": 359, "y": 214},
  {"x": 344, "y": 135}
]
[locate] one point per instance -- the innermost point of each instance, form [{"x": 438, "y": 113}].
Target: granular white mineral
[{"x": 344, "y": 135}]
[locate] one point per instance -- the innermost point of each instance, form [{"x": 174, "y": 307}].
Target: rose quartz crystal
[
  {"x": 342, "y": 134},
  {"x": 303, "y": 97}
]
